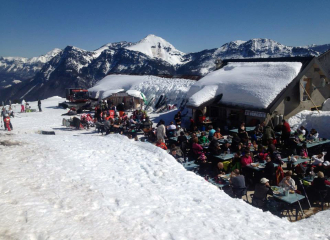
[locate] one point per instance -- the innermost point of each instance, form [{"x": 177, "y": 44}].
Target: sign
[{"x": 255, "y": 114}]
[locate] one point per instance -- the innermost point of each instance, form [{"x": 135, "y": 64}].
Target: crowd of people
[
  {"x": 7, "y": 112},
  {"x": 264, "y": 145}
]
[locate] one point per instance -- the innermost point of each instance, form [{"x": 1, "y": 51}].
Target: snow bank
[
  {"x": 253, "y": 84},
  {"x": 326, "y": 105},
  {"x": 312, "y": 119},
  {"x": 175, "y": 89}
]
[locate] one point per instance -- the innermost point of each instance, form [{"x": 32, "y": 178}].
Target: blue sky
[{"x": 33, "y": 27}]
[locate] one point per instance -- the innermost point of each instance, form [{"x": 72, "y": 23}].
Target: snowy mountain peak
[
  {"x": 45, "y": 58},
  {"x": 157, "y": 47},
  {"x": 115, "y": 45}
]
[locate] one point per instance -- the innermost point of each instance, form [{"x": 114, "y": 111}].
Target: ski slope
[{"x": 80, "y": 185}]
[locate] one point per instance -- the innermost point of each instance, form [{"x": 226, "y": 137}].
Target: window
[{"x": 306, "y": 89}]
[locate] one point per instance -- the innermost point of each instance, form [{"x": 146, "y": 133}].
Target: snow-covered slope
[
  {"x": 157, "y": 47},
  {"x": 42, "y": 59},
  {"x": 20, "y": 68},
  {"x": 254, "y": 48},
  {"x": 80, "y": 185}
]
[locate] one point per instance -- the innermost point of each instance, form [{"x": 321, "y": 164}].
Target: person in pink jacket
[{"x": 246, "y": 159}]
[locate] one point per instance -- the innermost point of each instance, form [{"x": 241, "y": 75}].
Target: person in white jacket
[
  {"x": 288, "y": 182},
  {"x": 161, "y": 131},
  {"x": 318, "y": 159},
  {"x": 23, "y": 106},
  {"x": 313, "y": 135}
]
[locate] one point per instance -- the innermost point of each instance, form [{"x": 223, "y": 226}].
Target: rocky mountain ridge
[{"x": 74, "y": 67}]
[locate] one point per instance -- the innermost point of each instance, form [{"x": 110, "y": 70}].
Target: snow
[
  {"x": 312, "y": 119},
  {"x": 251, "y": 84},
  {"x": 134, "y": 93},
  {"x": 41, "y": 59},
  {"x": 157, "y": 47},
  {"x": 175, "y": 89},
  {"x": 16, "y": 81},
  {"x": 80, "y": 185},
  {"x": 326, "y": 105}
]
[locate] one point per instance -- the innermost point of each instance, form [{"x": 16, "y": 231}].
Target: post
[{"x": 309, "y": 97}]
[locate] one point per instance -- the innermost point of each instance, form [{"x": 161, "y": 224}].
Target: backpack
[{"x": 279, "y": 175}]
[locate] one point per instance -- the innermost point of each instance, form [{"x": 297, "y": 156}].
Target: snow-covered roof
[
  {"x": 254, "y": 84},
  {"x": 175, "y": 89},
  {"x": 135, "y": 93}
]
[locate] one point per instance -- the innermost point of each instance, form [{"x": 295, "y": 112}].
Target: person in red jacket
[
  {"x": 161, "y": 144},
  {"x": 246, "y": 159},
  {"x": 286, "y": 131},
  {"x": 7, "y": 122}
]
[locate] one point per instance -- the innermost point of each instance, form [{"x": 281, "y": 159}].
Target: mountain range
[{"x": 48, "y": 75}]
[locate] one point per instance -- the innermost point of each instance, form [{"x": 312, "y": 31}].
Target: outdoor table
[
  {"x": 222, "y": 141},
  {"x": 224, "y": 157},
  {"x": 290, "y": 199},
  {"x": 310, "y": 179},
  {"x": 262, "y": 166},
  {"x": 176, "y": 138},
  {"x": 299, "y": 160},
  {"x": 190, "y": 166},
  {"x": 224, "y": 182},
  {"x": 205, "y": 145},
  {"x": 315, "y": 143},
  {"x": 247, "y": 129}
]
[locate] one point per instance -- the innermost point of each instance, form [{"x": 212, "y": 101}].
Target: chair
[
  {"x": 184, "y": 146},
  {"x": 76, "y": 122},
  {"x": 258, "y": 202},
  {"x": 322, "y": 194},
  {"x": 239, "y": 192}
]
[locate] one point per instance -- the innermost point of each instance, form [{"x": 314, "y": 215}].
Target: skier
[
  {"x": 23, "y": 106},
  {"x": 4, "y": 112},
  {"x": 39, "y": 105},
  {"x": 7, "y": 122}
]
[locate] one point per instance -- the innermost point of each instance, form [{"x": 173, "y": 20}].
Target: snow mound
[
  {"x": 175, "y": 89},
  {"x": 157, "y": 47},
  {"x": 254, "y": 84},
  {"x": 312, "y": 119},
  {"x": 326, "y": 105},
  {"x": 16, "y": 81}
]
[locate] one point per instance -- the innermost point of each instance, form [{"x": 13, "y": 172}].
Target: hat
[
  {"x": 264, "y": 180},
  {"x": 320, "y": 174}
]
